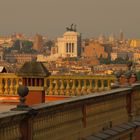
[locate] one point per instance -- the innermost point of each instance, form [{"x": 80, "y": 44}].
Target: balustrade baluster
[
  {"x": 102, "y": 84},
  {"x": 108, "y": 84},
  {"x": 62, "y": 87},
  {"x": 85, "y": 87},
  {"x": 51, "y": 87},
  {"x": 96, "y": 85},
  {"x": 6, "y": 86},
  {"x": 4, "y": 133},
  {"x": 1, "y": 86},
  {"x": 1, "y": 134},
  {"x": 56, "y": 87},
  {"x": 73, "y": 87},
  {"x": 7, "y": 136},
  {"x": 17, "y": 85},
  {"x": 79, "y": 87},
  {"x": 90, "y": 88},
  {"x": 68, "y": 87},
  {"x": 16, "y": 131},
  {"x": 11, "y": 86}
]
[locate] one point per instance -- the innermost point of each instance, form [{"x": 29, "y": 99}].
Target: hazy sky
[{"x": 50, "y": 17}]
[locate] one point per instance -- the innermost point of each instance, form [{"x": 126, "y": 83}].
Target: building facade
[
  {"x": 19, "y": 58},
  {"x": 69, "y": 45},
  {"x": 38, "y": 42},
  {"x": 94, "y": 49},
  {"x": 135, "y": 43}
]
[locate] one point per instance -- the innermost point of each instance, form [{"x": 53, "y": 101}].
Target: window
[
  {"x": 67, "y": 47},
  {"x": 72, "y": 47}
]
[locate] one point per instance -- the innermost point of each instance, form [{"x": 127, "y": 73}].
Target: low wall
[{"x": 74, "y": 118}]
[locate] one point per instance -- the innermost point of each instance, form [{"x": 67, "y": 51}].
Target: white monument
[{"x": 70, "y": 44}]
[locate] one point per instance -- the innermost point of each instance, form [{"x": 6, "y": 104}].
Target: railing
[
  {"x": 76, "y": 118},
  {"x": 77, "y": 85},
  {"x": 60, "y": 85},
  {"x": 9, "y": 83}
]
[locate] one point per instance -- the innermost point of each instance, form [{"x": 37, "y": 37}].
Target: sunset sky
[{"x": 50, "y": 17}]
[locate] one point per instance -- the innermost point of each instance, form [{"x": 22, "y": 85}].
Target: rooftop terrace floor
[{"x": 6, "y": 107}]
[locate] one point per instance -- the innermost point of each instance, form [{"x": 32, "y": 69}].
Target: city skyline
[{"x": 51, "y": 17}]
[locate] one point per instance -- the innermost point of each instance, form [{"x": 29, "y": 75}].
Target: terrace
[{"x": 92, "y": 111}]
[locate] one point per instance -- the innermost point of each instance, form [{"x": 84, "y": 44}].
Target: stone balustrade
[
  {"x": 9, "y": 83},
  {"x": 76, "y": 118},
  {"x": 59, "y": 85},
  {"x": 10, "y": 125},
  {"x": 77, "y": 85}
]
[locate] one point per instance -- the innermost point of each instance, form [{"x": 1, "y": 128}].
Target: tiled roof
[{"x": 33, "y": 69}]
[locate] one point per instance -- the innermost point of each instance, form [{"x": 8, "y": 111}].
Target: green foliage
[
  {"x": 104, "y": 60},
  {"x": 49, "y": 44},
  {"x": 120, "y": 60},
  {"x": 16, "y": 45},
  {"x": 27, "y": 43},
  {"x": 22, "y": 46},
  {"x": 26, "y": 46}
]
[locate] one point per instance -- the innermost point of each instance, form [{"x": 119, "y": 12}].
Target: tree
[
  {"x": 104, "y": 60},
  {"x": 27, "y": 43},
  {"x": 26, "y": 46},
  {"x": 49, "y": 44},
  {"x": 120, "y": 60},
  {"x": 16, "y": 45}
]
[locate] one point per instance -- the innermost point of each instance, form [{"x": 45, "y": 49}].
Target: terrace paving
[{"x": 6, "y": 107}]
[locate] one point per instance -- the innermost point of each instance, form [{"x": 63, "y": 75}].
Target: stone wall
[
  {"x": 10, "y": 125},
  {"x": 76, "y": 118}
]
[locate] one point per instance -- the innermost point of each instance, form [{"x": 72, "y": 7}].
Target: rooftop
[
  {"x": 6, "y": 107},
  {"x": 33, "y": 68}
]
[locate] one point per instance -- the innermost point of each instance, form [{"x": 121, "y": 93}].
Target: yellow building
[
  {"x": 135, "y": 43},
  {"x": 136, "y": 57},
  {"x": 113, "y": 56}
]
